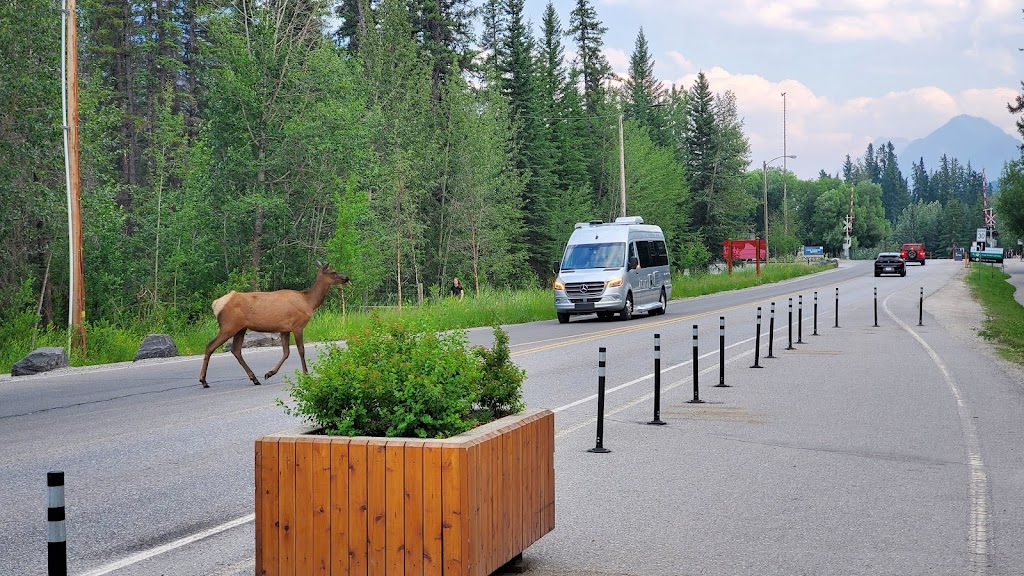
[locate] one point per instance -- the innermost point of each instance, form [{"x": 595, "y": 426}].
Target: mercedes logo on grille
[{"x": 584, "y": 288}]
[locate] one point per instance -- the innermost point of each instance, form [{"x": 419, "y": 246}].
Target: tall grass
[
  {"x": 689, "y": 286},
  {"x": 108, "y": 343},
  {"x": 1004, "y": 316}
]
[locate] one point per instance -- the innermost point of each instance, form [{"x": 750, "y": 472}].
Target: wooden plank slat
[
  {"x": 517, "y": 492},
  {"x": 286, "y": 535},
  {"x": 339, "y": 507},
  {"x": 304, "y": 505},
  {"x": 453, "y": 467},
  {"x": 475, "y": 518},
  {"x": 395, "y": 507},
  {"x": 376, "y": 453},
  {"x": 358, "y": 526},
  {"x": 258, "y": 504},
  {"x": 271, "y": 522},
  {"x": 321, "y": 507},
  {"x": 549, "y": 435},
  {"x": 529, "y": 482},
  {"x": 433, "y": 510},
  {"x": 414, "y": 496},
  {"x": 496, "y": 552}
]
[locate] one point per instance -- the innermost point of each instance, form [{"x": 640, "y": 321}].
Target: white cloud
[{"x": 821, "y": 132}]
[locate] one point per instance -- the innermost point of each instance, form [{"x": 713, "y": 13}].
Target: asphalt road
[{"x": 889, "y": 449}]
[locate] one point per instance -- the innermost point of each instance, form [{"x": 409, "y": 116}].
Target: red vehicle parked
[{"x": 913, "y": 252}]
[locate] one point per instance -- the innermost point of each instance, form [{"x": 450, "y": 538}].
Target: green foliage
[
  {"x": 692, "y": 255},
  {"x": 402, "y": 380},
  {"x": 501, "y": 385}
]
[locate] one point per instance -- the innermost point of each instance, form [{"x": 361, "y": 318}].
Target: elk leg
[
  {"x": 284, "y": 355},
  {"x": 219, "y": 339},
  {"x": 236, "y": 349},
  {"x": 301, "y": 347}
]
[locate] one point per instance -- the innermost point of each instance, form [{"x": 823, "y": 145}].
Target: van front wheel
[
  {"x": 563, "y": 318},
  {"x": 627, "y": 310}
]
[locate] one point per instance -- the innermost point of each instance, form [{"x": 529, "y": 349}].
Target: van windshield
[{"x": 580, "y": 256}]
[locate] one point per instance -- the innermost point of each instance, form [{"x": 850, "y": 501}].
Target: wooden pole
[{"x": 77, "y": 303}]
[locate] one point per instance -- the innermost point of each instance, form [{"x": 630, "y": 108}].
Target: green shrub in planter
[{"x": 395, "y": 381}]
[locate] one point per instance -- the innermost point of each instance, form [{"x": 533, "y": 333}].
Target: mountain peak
[{"x": 967, "y": 138}]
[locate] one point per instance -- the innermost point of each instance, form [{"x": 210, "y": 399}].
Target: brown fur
[{"x": 285, "y": 312}]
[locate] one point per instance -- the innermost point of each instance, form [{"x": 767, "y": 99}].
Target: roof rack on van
[
  {"x": 586, "y": 224},
  {"x": 629, "y": 220}
]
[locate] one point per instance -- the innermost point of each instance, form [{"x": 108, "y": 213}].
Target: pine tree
[
  {"x": 643, "y": 92},
  {"x": 353, "y": 16},
  {"x": 445, "y": 31},
  {"x": 894, "y": 187},
  {"x": 919, "y": 178},
  {"x": 588, "y": 32},
  {"x": 702, "y": 162}
]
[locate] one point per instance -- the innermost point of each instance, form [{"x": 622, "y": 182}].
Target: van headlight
[
  {"x": 613, "y": 283},
  {"x": 559, "y": 285}
]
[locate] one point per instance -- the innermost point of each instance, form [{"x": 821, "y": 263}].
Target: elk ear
[{"x": 319, "y": 265}]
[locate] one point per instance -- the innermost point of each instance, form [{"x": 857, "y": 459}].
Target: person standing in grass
[{"x": 456, "y": 290}]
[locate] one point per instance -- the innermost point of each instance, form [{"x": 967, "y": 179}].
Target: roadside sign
[{"x": 982, "y": 235}]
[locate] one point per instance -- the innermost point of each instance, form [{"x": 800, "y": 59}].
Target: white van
[{"x": 613, "y": 268}]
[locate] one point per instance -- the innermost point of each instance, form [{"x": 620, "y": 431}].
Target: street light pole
[{"x": 764, "y": 178}]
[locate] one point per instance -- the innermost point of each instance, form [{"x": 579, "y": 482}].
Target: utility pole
[
  {"x": 76, "y": 297},
  {"x": 785, "y": 196},
  {"x": 622, "y": 170}
]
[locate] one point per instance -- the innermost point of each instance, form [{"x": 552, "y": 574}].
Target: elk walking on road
[{"x": 283, "y": 311}]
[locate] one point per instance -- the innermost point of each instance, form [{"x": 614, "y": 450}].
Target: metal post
[
  {"x": 815, "y": 313},
  {"x": 696, "y": 371},
  {"x": 56, "y": 533},
  {"x": 837, "y": 308},
  {"x": 920, "y": 309},
  {"x": 790, "y": 347},
  {"x": 721, "y": 353},
  {"x": 599, "y": 448},
  {"x": 876, "y": 306},
  {"x": 800, "y": 321},
  {"x": 657, "y": 381},
  {"x": 771, "y": 333},
  {"x": 757, "y": 341}
]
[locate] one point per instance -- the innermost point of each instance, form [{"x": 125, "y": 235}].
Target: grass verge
[{"x": 1004, "y": 316}]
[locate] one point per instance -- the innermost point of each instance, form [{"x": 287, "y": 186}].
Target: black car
[{"x": 890, "y": 263}]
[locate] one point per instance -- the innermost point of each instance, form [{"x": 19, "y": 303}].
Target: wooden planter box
[{"x": 463, "y": 506}]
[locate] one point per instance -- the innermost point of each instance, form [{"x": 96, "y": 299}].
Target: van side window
[
  {"x": 643, "y": 248},
  {"x": 659, "y": 254}
]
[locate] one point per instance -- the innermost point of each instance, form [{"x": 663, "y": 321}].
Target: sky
[{"x": 853, "y": 71}]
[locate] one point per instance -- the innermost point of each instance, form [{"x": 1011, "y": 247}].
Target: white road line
[
  {"x": 152, "y": 552},
  {"x": 978, "y": 523}
]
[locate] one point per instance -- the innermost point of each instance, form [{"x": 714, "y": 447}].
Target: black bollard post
[
  {"x": 837, "y": 308},
  {"x": 599, "y": 448},
  {"x": 757, "y": 341},
  {"x": 696, "y": 371},
  {"x": 790, "y": 347},
  {"x": 920, "y": 309},
  {"x": 657, "y": 381},
  {"x": 815, "y": 313},
  {"x": 771, "y": 333},
  {"x": 876, "y": 306},
  {"x": 56, "y": 533},
  {"x": 800, "y": 321},
  {"x": 721, "y": 353}
]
